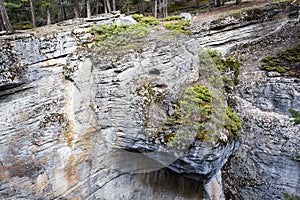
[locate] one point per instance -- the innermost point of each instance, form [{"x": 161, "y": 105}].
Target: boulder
[
  {"x": 186, "y": 16},
  {"x": 128, "y": 20}
]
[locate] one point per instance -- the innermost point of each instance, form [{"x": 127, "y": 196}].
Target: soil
[{"x": 230, "y": 6}]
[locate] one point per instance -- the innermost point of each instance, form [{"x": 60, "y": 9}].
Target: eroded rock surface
[
  {"x": 265, "y": 165},
  {"x": 66, "y": 110}
]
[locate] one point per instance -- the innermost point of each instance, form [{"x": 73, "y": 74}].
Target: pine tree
[{"x": 7, "y": 25}]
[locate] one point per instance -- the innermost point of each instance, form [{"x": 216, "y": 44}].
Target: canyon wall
[{"x": 68, "y": 110}]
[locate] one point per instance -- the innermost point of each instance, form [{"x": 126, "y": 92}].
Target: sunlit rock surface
[
  {"x": 70, "y": 114},
  {"x": 66, "y": 110}
]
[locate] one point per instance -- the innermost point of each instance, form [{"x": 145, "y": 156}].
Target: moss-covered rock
[
  {"x": 295, "y": 115},
  {"x": 123, "y": 36},
  {"x": 229, "y": 67},
  {"x": 179, "y": 26},
  {"x": 192, "y": 116},
  {"x": 286, "y": 62},
  {"x": 152, "y": 21}
]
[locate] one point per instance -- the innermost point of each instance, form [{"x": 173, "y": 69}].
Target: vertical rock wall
[{"x": 64, "y": 107}]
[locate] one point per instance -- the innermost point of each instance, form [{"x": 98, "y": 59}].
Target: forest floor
[
  {"x": 229, "y": 7},
  {"x": 206, "y": 14}
]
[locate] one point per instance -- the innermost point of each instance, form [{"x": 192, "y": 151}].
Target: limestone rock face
[
  {"x": 242, "y": 27},
  {"x": 72, "y": 120},
  {"x": 266, "y": 164}
]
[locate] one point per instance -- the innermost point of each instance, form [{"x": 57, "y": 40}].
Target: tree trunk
[
  {"x": 165, "y": 8},
  {"x": 127, "y": 5},
  {"x": 197, "y": 3},
  {"x": 120, "y": 5},
  {"x": 155, "y": 8},
  {"x": 88, "y": 9},
  {"x": 104, "y": 5},
  {"x": 8, "y": 27},
  {"x": 97, "y": 8},
  {"x": 160, "y": 6},
  {"x": 64, "y": 12},
  {"x": 32, "y": 13},
  {"x": 60, "y": 12},
  {"x": 2, "y": 28},
  {"x": 114, "y": 5},
  {"x": 143, "y": 6},
  {"x": 48, "y": 15},
  {"x": 76, "y": 8},
  {"x": 108, "y": 6},
  {"x": 218, "y": 3}
]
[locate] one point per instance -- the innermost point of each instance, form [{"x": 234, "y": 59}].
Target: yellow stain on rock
[{"x": 69, "y": 169}]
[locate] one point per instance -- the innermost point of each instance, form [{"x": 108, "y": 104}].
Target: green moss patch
[
  {"x": 171, "y": 18},
  {"x": 123, "y": 36},
  {"x": 141, "y": 19},
  {"x": 290, "y": 196},
  {"x": 229, "y": 67},
  {"x": 295, "y": 115},
  {"x": 179, "y": 26},
  {"x": 23, "y": 25},
  {"x": 286, "y": 62},
  {"x": 192, "y": 116},
  {"x": 109, "y": 32}
]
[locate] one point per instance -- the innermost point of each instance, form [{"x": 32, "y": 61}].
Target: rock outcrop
[
  {"x": 73, "y": 124},
  {"x": 72, "y": 120},
  {"x": 266, "y": 164}
]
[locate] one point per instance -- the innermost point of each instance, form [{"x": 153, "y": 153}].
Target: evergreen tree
[{"x": 5, "y": 20}]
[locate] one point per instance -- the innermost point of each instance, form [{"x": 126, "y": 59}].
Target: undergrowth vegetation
[
  {"x": 295, "y": 115},
  {"x": 286, "y": 62},
  {"x": 229, "y": 67},
  {"x": 104, "y": 32},
  {"x": 152, "y": 21},
  {"x": 202, "y": 113},
  {"x": 171, "y": 18},
  {"x": 124, "y": 35},
  {"x": 179, "y": 26},
  {"x": 119, "y": 37},
  {"x": 192, "y": 117}
]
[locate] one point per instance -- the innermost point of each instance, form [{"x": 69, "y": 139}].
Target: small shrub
[
  {"x": 152, "y": 21},
  {"x": 137, "y": 17},
  {"x": 192, "y": 113},
  {"x": 23, "y": 25},
  {"x": 171, "y": 18},
  {"x": 232, "y": 63},
  {"x": 217, "y": 58},
  {"x": 226, "y": 65},
  {"x": 290, "y": 196},
  {"x": 286, "y": 62},
  {"x": 105, "y": 32},
  {"x": 178, "y": 26},
  {"x": 295, "y": 115},
  {"x": 233, "y": 123},
  {"x": 272, "y": 63}
]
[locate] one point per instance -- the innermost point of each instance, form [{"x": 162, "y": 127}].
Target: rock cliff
[
  {"x": 73, "y": 120},
  {"x": 266, "y": 164}
]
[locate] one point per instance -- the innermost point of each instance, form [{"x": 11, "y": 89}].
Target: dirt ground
[{"x": 229, "y": 7}]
